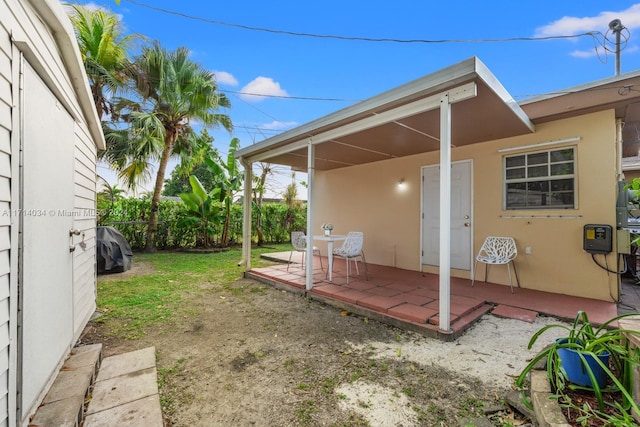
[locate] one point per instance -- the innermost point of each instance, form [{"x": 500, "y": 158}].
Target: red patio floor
[{"x": 410, "y": 299}]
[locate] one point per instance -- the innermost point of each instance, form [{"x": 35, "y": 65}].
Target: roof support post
[
  {"x": 445, "y": 212},
  {"x": 246, "y": 214},
  {"x": 311, "y": 152}
]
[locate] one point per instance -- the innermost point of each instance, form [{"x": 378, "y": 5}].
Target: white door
[
  {"x": 461, "y": 220},
  {"x": 45, "y": 282}
]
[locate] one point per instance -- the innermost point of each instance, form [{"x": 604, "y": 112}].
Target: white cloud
[
  {"x": 276, "y": 125},
  {"x": 262, "y": 86},
  {"x": 94, "y": 6},
  {"x": 571, "y": 25},
  {"x": 584, "y": 53},
  {"x": 593, "y": 53},
  {"x": 222, "y": 77}
]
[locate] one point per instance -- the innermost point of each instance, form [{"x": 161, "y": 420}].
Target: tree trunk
[
  {"x": 225, "y": 229},
  {"x": 152, "y": 227}
]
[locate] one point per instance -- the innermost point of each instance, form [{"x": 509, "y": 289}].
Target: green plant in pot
[{"x": 588, "y": 358}]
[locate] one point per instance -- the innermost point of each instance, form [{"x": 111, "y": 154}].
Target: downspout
[
  {"x": 246, "y": 215},
  {"x": 310, "y": 181},
  {"x": 619, "y": 152},
  {"x": 619, "y": 183},
  {"x": 16, "y": 399}
]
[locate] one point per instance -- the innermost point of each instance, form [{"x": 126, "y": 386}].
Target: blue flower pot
[{"x": 575, "y": 367}]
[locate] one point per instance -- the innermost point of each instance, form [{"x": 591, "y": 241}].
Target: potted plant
[
  {"x": 327, "y": 227},
  {"x": 600, "y": 357}
]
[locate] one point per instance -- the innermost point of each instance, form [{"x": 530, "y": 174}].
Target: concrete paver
[
  {"x": 127, "y": 363},
  {"x": 61, "y": 413},
  {"x": 69, "y": 382},
  {"x": 126, "y": 392},
  {"x": 142, "y": 412},
  {"x": 64, "y": 403},
  {"x": 122, "y": 389}
]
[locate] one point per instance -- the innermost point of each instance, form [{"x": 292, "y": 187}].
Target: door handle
[
  {"x": 467, "y": 224},
  {"x": 466, "y": 217}
]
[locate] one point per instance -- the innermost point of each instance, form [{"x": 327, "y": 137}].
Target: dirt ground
[{"x": 252, "y": 355}]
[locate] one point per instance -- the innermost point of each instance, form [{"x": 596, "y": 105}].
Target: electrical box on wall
[
  {"x": 623, "y": 240},
  {"x": 597, "y": 238}
]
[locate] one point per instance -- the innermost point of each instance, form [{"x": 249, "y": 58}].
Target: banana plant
[
  {"x": 229, "y": 177},
  {"x": 204, "y": 211}
]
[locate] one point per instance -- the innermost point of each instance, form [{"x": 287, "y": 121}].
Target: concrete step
[
  {"x": 63, "y": 405},
  {"x": 126, "y": 392}
]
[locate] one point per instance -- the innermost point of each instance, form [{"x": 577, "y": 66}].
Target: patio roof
[
  {"x": 401, "y": 122},
  {"x": 472, "y": 121}
]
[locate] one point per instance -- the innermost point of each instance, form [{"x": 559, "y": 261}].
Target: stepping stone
[
  {"x": 64, "y": 402},
  {"x": 122, "y": 389},
  {"x": 126, "y": 363},
  {"x": 142, "y": 412}
]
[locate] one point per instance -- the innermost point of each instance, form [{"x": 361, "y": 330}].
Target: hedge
[{"x": 129, "y": 216}]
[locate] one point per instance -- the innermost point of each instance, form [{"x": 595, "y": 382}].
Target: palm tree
[
  {"x": 104, "y": 51},
  {"x": 176, "y": 91}
]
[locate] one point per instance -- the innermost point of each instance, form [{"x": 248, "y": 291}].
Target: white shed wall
[
  {"x": 5, "y": 200},
  {"x": 23, "y": 30}
]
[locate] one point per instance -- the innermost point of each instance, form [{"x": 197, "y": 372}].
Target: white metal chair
[
  {"x": 497, "y": 251},
  {"x": 299, "y": 243},
  {"x": 350, "y": 250}
]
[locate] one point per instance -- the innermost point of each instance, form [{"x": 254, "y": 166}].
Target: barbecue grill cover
[{"x": 113, "y": 252}]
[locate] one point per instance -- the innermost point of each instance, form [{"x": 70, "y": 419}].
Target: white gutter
[{"x": 55, "y": 17}]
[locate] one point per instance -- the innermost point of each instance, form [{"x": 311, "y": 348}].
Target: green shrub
[{"x": 129, "y": 216}]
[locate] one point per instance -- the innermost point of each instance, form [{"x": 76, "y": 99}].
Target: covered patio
[
  {"x": 411, "y": 299},
  {"x": 419, "y": 116},
  {"x": 421, "y": 170}
]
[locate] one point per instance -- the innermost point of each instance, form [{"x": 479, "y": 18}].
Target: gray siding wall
[
  {"x": 19, "y": 21},
  {"x": 5, "y": 220}
]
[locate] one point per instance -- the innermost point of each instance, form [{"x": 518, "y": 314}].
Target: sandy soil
[{"x": 251, "y": 355}]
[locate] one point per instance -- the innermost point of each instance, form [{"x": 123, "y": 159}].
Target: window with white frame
[{"x": 540, "y": 180}]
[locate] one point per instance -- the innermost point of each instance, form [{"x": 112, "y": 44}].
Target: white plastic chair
[
  {"x": 350, "y": 250},
  {"x": 497, "y": 251},
  {"x": 299, "y": 242}
]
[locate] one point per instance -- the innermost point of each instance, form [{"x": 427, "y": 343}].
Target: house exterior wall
[
  {"x": 366, "y": 198},
  {"x": 25, "y": 31}
]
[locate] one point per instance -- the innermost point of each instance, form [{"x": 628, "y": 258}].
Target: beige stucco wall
[{"x": 366, "y": 198}]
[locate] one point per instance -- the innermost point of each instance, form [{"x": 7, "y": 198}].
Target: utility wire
[
  {"x": 592, "y": 34},
  {"x": 289, "y": 97}
]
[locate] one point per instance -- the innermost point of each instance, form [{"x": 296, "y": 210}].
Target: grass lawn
[
  {"x": 130, "y": 305},
  {"x": 238, "y": 352}
]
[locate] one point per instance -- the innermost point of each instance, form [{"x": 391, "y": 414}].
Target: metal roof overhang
[
  {"x": 619, "y": 93},
  {"x": 401, "y": 122}
]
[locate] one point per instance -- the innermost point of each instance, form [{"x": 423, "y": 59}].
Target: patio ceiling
[{"x": 353, "y": 136}]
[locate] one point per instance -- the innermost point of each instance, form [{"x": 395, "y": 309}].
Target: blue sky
[{"x": 336, "y": 73}]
